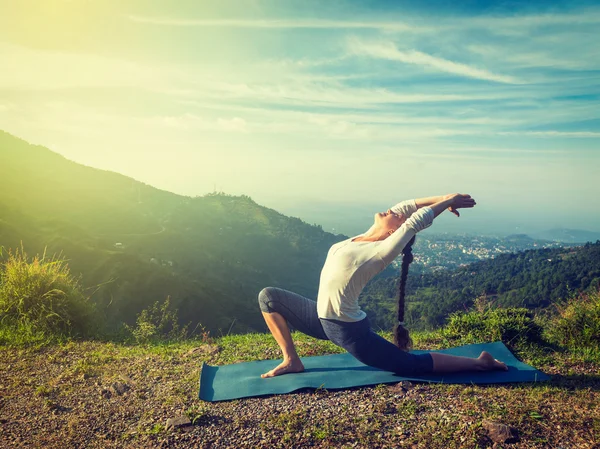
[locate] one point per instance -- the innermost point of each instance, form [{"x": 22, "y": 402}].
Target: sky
[{"x": 329, "y": 111}]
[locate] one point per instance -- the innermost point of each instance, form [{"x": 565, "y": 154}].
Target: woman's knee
[
  {"x": 265, "y": 298},
  {"x": 420, "y": 364}
]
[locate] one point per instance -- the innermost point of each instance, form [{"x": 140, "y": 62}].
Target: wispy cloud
[
  {"x": 279, "y": 24},
  {"x": 411, "y": 23},
  {"x": 541, "y": 55},
  {"x": 522, "y": 24},
  {"x": 551, "y": 133},
  {"x": 361, "y": 91},
  {"x": 22, "y": 67},
  {"x": 387, "y": 50}
]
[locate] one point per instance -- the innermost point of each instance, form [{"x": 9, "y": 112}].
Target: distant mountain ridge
[
  {"x": 210, "y": 254},
  {"x": 568, "y": 235}
]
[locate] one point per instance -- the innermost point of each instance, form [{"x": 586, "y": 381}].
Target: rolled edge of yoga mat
[
  {"x": 340, "y": 371},
  {"x": 207, "y": 376}
]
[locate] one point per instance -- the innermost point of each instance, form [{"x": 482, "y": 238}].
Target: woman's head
[{"x": 387, "y": 222}]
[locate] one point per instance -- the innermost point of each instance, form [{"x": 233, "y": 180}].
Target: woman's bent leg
[
  {"x": 280, "y": 307},
  {"x": 279, "y": 328}
]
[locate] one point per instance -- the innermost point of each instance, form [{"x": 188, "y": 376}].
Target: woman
[{"x": 336, "y": 315}]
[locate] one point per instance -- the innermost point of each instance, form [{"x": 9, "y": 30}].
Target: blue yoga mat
[{"x": 338, "y": 371}]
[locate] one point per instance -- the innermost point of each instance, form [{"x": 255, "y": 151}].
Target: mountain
[
  {"x": 210, "y": 254},
  {"x": 133, "y": 245},
  {"x": 568, "y": 235},
  {"x": 535, "y": 279}
]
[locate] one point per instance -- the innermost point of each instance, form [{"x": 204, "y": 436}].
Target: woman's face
[{"x": 388, "y": 220}]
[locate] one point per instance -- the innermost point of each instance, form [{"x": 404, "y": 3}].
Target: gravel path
[{"x": 98, "y": 395}]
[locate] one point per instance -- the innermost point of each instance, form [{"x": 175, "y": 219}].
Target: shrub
[
  {"x": 508, "y": 325},
  {"x": 157, "y": 323},
  {"x": 577, "y": 322},
  {"x": 42, "y": 296}
]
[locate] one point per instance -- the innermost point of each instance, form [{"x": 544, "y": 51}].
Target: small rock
[
  {"x": 500, "y": 433},
  {"x": 106, "y": 394},
  {"x": 193, "y": 351},
  {"x": 127, "y": 380},
  {"x": 176, "y": 423},
  {"x": 400, "y": 392},
  {"x": 119, "y": 388},
  {"x": 207, "y": 349},
  {"x": 399, "y": 389}
]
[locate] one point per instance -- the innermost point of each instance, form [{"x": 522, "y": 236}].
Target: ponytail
[{"x": 401, "y": 337}]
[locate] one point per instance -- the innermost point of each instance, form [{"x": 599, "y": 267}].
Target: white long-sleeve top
[{"x": 350, "y": 265}]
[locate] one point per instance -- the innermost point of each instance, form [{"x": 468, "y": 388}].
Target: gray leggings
[{"x": 355, "y": 337}]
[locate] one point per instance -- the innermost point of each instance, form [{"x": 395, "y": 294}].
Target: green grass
[
  {"x": 24, "y": 333},
  {"x": 429, "y": 415},
  {"x": 576, "y": 324},
  {"x": 40, "y": 300},
  {"x": 511, "y": 326}
]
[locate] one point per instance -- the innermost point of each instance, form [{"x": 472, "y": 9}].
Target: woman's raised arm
[
  {"x": 392, "y": 246},
  {"x": 453, "y": 202},
  {"x": 431, "y": 200},
  {"x": 428, "y": 201}
]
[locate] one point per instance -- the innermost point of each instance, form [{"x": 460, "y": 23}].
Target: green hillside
[
  {"x": 211, "y": 254},
  {"x": 535, "y": 279}
]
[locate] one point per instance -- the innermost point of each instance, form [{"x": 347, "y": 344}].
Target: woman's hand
[{"x": 459, "y": 201}]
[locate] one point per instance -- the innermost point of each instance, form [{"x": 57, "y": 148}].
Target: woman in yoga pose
[{"x": 336, "y": 315}]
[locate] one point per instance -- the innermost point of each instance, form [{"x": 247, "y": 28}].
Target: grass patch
[
  {"x": 24, "y": 333},
  {"x": 40, "y": 300},
  {"x": 577, "y": 323},
  {"x": 158, "y": 323},
  {"x": 43, "y": 391},
  {"x": 511, "y": 326},
  {"x": 288, "y": 424}
]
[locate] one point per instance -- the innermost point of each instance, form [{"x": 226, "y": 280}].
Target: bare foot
[
  {"x": 487, "y": 363},
  {"x": 287, "y": 366}
]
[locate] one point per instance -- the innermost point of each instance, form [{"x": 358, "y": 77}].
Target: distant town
[{"x": 447, "y": 251}]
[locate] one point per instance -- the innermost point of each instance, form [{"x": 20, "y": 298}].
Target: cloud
[
  {"x": 30, "y": 69},
  {"x": 541, "y": 55},
  {"x": 501, "y": 23},
  {"x": 551, "y": 133},
  {"x": 516, "y": 24},
  {"x": 63, "y": 70},
  {"x": 387, "y": 50},
  {"x": 279, "y": 24},
  {"x": 333, "y": 94},
  {"x": 234, "y": 124},
  {"x": 323, "y": 93}
]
